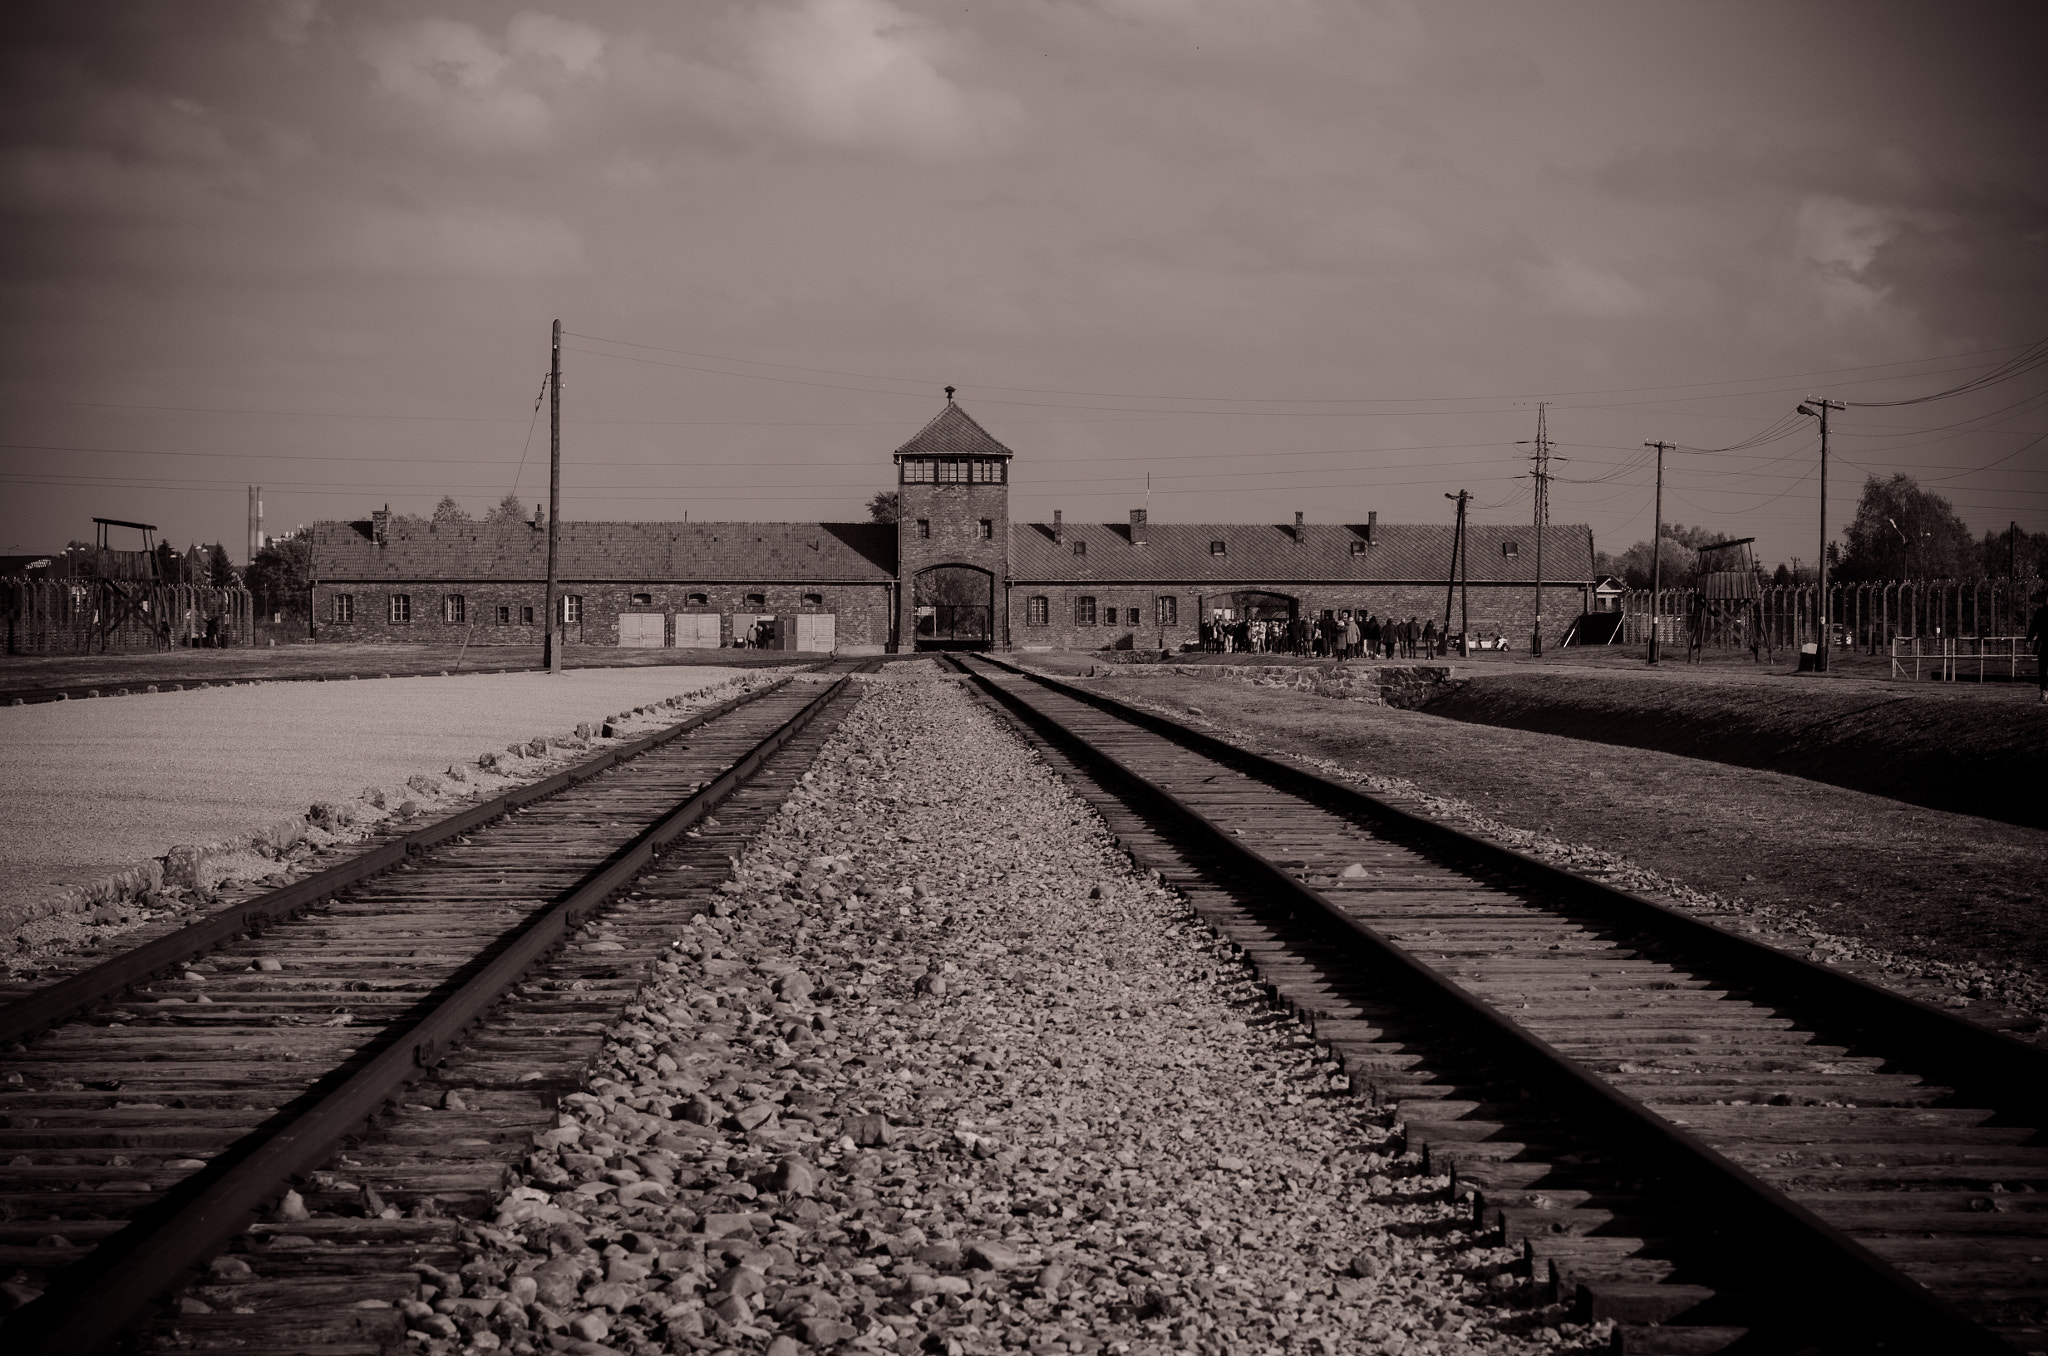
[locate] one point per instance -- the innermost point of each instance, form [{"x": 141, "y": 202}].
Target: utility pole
[
  {"x": 553, "y": 644},
  {"x": 1657, "y": 550},
  {"x": 1458, "y": 573},
  {"x": 1542, "y": 478},
  {"x": 1820, "y": 565}
]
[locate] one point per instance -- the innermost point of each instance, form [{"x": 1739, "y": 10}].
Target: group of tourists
[{"x": 1334, "y": 635}]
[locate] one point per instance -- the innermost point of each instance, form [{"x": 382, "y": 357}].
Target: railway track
[
  {"x": 317, "y": 1079},
  {"x": 1715, "y": 1144}
]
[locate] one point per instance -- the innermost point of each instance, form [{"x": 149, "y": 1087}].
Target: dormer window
[
  {"x": 1358, "y": 548},
  {"x": 1080, "y": 548},
  {"x": 1511, "y": 550},
  {"x": 1217, "y": 548}
]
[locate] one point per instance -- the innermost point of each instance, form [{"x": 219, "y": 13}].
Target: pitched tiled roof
[
  {"x": 953, "y": 433},
  {"x": 626, "y": 552},
  {"x": 1398, "y": 553}
]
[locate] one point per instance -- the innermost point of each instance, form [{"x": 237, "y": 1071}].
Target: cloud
[
  {"x": 482, "y": 93},
  {"x": 856, "y": 74},
  {"x": 474, "y": 242},
  {"x": 291, "y": 21},
  {"x": 1580, "y": 288}
]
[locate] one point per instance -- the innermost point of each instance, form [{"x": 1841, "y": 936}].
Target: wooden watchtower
[{"x": 1727, "y": 607}]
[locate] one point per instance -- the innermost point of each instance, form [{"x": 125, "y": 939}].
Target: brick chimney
[
  {"x": 1137, "y": 527},
  {"x": 380, "y": 525},
  {"x": 1059, "y": 531},
  {"x": 1297, "y": 527},
  {"x": 1372, "y": 527}
]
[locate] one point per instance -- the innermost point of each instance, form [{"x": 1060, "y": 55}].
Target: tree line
[{"x": 1900, "y": 531}]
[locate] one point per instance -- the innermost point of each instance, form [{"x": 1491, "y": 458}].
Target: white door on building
[
  {"x": 697, "y": 630},
  {"x": 643, "y": 630},
  {"x": 817, "y": 631}
]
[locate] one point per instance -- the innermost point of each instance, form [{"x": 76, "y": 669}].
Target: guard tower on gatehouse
[{"x": 953, "y": 535}]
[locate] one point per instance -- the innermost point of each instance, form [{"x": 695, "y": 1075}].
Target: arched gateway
[{"x": 954, "y": 607}]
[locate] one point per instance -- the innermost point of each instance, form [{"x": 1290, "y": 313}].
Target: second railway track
[
  {"x": 1719, "y": 1145},
  {"x": 154, "y": 1102}
]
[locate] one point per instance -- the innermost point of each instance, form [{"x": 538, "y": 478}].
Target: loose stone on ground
[{"x": 943, "y": 1073}]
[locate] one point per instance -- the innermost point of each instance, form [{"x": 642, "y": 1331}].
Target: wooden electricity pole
[
  {"x": 1657, "y": 548},
  {"x": 1820, "y": 566},
  {"x": 1458, "y": 575},
  {"x": 553, "y": 644},
  {"x": 1542, "y": 479}
]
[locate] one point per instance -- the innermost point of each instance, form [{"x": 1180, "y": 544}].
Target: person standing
[
  {"x": 1350, "y": 636},
  {"x": 1429, "y": 637}
]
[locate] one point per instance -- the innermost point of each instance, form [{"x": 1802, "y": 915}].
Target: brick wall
[
  {"x": 1506, "y": 609},
  {"x": 862, "y": 610}
]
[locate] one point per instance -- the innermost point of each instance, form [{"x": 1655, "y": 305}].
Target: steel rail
[
  {"x": 114, "y": 976},
  {"x": 1784, "y": 1244},
  {"x": 107, "y": 1292}
]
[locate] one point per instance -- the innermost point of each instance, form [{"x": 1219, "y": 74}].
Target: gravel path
[
  {"x": 951, "y": 1076},
  {"x": 91, "y": 788}
]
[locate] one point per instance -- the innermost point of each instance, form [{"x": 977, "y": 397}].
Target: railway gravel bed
[{"x": 951, "y": 1074}]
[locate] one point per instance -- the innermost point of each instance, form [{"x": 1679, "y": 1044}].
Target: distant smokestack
[
  {"x": 1059, "y": 531},
  {"x": 1137, "y": 527}
]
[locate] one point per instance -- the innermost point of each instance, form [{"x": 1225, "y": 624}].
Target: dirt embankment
[{"x": 1977, "y": 757}]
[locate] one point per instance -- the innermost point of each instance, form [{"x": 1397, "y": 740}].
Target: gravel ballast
[
  {"x": 950, "y": 1075},
  {"x": 88, "y": 789}
]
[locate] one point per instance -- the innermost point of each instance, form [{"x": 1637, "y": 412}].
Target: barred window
[
  {"x": 814, "y": 600},
  {"x": 988, "y": 529},
  {"x": 572, "y": 608},
  {"x": 526, "y": 615},
  {"x": 1169, "y": 610},
  {"x": 344, "y": 607},
  {"x": 697, "y": 600},
  {"x": 1036, "y": 610},
  {"x": 924, "y": 527},
  {"x": 757, "y": 601},
  {"x": 1109, "y": 616},
  {"x": 918, "y": 471},
  {"x": 455, "y": 609},
  {"x": 643, "y": 600},
  {"x": 504, "y": 614},
  {"x": 1084, "y": 611},
  {"x": 401, "y": 609}
]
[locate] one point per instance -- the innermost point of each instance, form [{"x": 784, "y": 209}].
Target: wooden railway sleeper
[{"x": 1872, "y": 1298}]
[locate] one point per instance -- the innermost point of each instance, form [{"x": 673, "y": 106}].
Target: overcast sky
[{"x": 1276, "y": 255}]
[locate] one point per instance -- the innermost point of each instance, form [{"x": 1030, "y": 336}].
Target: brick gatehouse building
[{"x": 953, "y": 571}]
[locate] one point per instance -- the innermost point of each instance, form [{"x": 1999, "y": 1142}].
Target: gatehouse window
[
  {"x": 697, "y": 600},
  {"x": 1080, "y": 548},
  {"x": 953, "y": 471},
  {"x": 344, "y": 607},
  {"x": 504, "y": 614},
  {"x": 1084, "y": 611},
  {"x": 643, "y": 600},
  {"x": 526, "y": 616},
  {"x": 757, "y": 601},
  {"x": 988, "y": 529},
  {"x": 814, "y": 600},
  {"x": 401, "y": 609},
  {"x": 924, "y": 527},
  {"x": 455, "y": 609},
  {"x": 1035, "y": 611},
  {"x": 1169, "y": 610},
  {"x": 572, "y": 608},
  {"x": 919, "y": 472},
  {"x": 1217, "y": 548},
  {"x": 988, "y": 471}
]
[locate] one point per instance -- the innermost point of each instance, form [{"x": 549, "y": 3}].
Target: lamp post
[{"x": 1820, "y": 597}]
